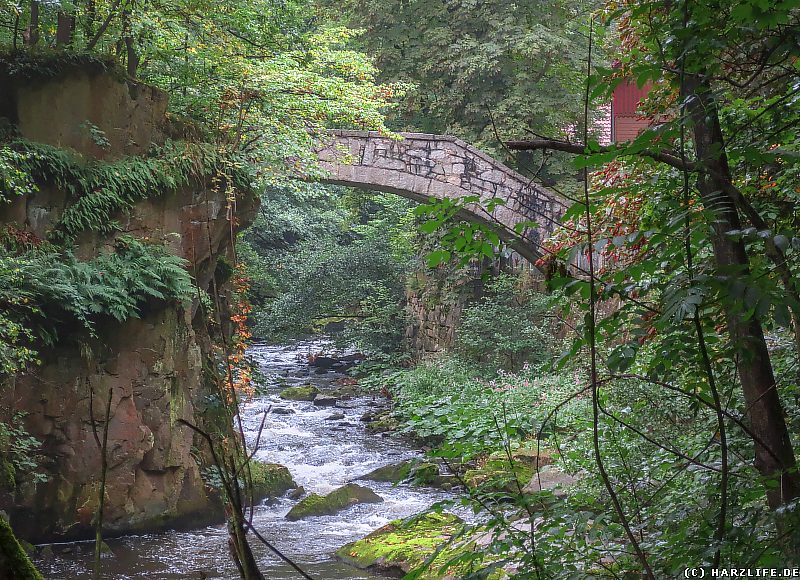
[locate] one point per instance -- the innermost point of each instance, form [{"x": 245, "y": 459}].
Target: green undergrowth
[
  {"x": 99, "y": 191},
  {"x": 540, "y": 417},
  {"x": 448, "y": 402}
]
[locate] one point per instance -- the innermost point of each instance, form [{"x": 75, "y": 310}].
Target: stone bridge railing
[{"x": 421, "y": 166}]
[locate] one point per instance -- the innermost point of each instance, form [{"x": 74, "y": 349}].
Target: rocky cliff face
[{"x": 153, "y": 366}]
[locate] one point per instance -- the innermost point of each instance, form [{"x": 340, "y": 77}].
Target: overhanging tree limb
[{"x": 662, "y": 156}]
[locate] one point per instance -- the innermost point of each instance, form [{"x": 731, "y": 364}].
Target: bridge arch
[{"x": 420, "y": 166}]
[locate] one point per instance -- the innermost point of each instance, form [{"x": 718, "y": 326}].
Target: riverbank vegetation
[{"x": 631, "y": 406}]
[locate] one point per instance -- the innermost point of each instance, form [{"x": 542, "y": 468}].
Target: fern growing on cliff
[
  {"x": 41, "y": 289},
  {"x": 98, "y": 192}
]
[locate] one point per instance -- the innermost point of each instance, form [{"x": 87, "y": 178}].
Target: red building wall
[{"x": 626, "y": 124}]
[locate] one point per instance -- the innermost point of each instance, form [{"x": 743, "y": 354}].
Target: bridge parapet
[{"x": 420, "y": 166}]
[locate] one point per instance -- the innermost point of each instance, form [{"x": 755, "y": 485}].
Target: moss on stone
[
  {"x": 426, "y": 474},
  {"x": 334, "y": 502},
  {"x": 304, "y": 393},
  {"x": 392, "y": 473},
  {"x": 383, "y": 425},
  {"x": 270, "y": 480},
  {"x": 7, "y": 475},
  {"x": 497, "y": 474},
  {"x": 13, "y": 559},
  {"x": 404, "y": 545}
]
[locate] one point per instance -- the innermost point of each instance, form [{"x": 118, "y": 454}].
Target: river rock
[
  {"x": 373, "y": 415},
  {"x": 403, "y": 545},
  {"x": 333, "y": 503},
  {"x": 282, "y": 411},
  {"x": 322, "y": 362},
  {"x": 335, "y": 417},
  {"x": 550, "y": 478},
  {"x": 392, "y": 473},
  {"x": 324, "y": 401},
  {"x": 304, "y": 393},
  {"x": 346, "y": 391},
  {"x": 337, "y": 363},
  {"x": 270, "y": 480},
  {"x": 383, "y": 425},
  {"x": 297, "y": 493}
]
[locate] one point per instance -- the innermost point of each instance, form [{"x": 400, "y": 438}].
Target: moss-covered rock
[
  {"x": 304, "y": 393},
  {"x": 498, "y": 474},
  {"x": 382, "y": 422},
  {"x": 531, "y": 456},
  {"x": 403, "y": 545},
  {"x": 334, "y": 502},
  {"x": 270, "y": 480},
  {"x": 392, "y": 473},
  {"x": 426, "y": 474}
]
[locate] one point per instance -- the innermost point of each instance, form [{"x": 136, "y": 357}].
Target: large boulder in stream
[
  {"x": 324, "y": 401},
  {"x": 414, "y": 471},
  {"x": 304, "y": 393},
  {"x": 333, "y": 503},
  {"x": 270, "y": 480},
  {"x": 392, "y": 473},
  {"x": 403, "y": 545}
]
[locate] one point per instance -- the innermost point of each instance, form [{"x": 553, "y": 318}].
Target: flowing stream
[{"x": 321, "y": 455}]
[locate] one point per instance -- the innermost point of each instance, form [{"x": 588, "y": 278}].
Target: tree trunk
[
  {"x": 32, "y": 34},
  {"x": 774, "y": 455},
  {"x": 64, "y": 28},
  {"x": 131, "y": 57}
]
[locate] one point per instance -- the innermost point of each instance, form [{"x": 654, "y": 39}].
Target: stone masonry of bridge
[{"x": 421, "y": 166}]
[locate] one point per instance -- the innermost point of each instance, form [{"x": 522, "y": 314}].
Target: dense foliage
[
  {"x": 482, "y": 69},
  {"x": 682, "y": 261},
  {"x": 347, "y": 267},
  {"x": 674, "y": 279}
]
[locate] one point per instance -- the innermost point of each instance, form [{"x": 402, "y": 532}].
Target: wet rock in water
[
  {"x": 47, "y": 553},
  {"x": 105, "y": 550},
  {"x": 27, "y": 547},
  {"x": 335, "y": 417},
  {"x": 347, "y": 391},
  {"x": 368, "y": 416},
  {"x": 304, "y": 393},
  {"x": 337, "y": 363},
  {"x": 270, "y": 480},
  {"x": 392, "y": 473},
  {"x": 383, "y": 425},
  {"x": 298, "y": 493},
  {"x": 403, "y": 545},
  {"x": 324, "y": 401},
  {"x": 380, "y": 421},
  {"x": 333, "y": 503},
  {"x": 282, "y": 411},
  {"x": 322, "y": 362},
  {"x": 426, "y": 474}
]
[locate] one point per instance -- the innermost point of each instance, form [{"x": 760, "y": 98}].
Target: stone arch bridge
[{"x": 420, "y": 166}]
